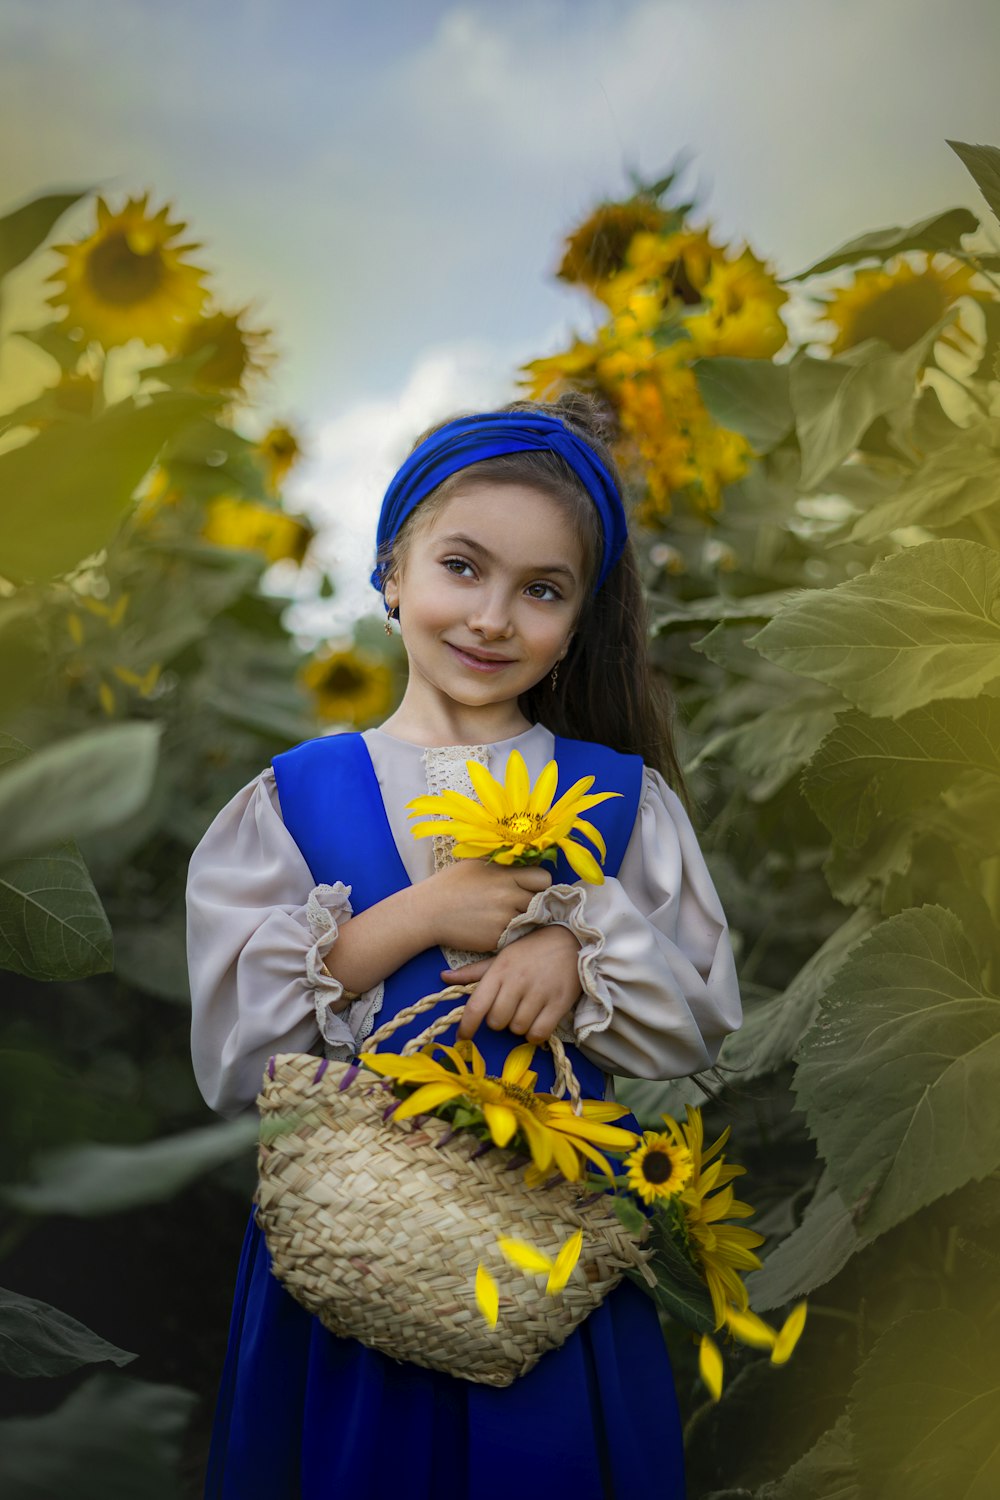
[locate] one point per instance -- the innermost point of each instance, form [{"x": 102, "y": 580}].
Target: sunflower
[
  {"x": 232, "y": 522},
  {"x": 720, "y": 1251},
  {"x": 278, "y": 450},
  {"x": 898, "y": 303},
  {"x": 597, "y": 250},
  {"x": 350, "y": 686},
  {"x": 237, "y": 354},
  {"x": 514, "y": 823},
  {"x": 558, "y": 1138},
  {"x": 741, "y": 318},
  {"x": 660, "y": 1167},
  {"x": 128, "y": 279}
]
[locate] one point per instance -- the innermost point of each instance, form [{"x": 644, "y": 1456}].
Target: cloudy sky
[{"x": 389, "y": 181}]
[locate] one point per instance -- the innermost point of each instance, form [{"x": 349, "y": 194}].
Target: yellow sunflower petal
[
  {"x": 487, "y": 1295},
  {"x": 520, "y": 1253},
  {"x": 788, "y": 1335},
  {"x": 446, "y": 804},
  {"x": 427, "y": 1098},
  {"x": 580, "y": 860},
  {"x": 544, "y": 788},
  {"x": 539, "y": 1142},
  {"x": 750, "y": 1329},
  {"x": 490, "y": 792},
  {"x": 577, "y": 790},
  {"x": 517, "y": 1062},
  {"x": 502, "y": 1122},
  {"x": 599, "y": 1161},
  {"x": 566, "y": 1158},
  {"x": 564, "y": 1263},
  {"x": 710, "y": 1366},
  {"x": 516, "y": 781},
  {"x": 593, "y": 834}
]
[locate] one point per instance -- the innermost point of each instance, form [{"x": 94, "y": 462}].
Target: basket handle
[{"x": 565, "y": 1080}]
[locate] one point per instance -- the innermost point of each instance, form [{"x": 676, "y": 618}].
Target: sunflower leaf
[
  {"x": 902, "y": 1057},
  {"x": 922, "y": 624},
  {"x": 938, "y": 232}
]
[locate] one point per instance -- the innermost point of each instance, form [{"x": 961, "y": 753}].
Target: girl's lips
[{"x": 475, "y": 662}]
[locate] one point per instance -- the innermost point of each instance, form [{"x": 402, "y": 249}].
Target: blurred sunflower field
[
  {"x": 813, "y": 467},
  {"x": 146, "y": 674}
]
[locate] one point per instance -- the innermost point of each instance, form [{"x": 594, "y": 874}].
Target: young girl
[{"x": 314, "y": 914}]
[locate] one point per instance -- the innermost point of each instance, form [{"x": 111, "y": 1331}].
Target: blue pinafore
[{"x": 305, "y": 1415}]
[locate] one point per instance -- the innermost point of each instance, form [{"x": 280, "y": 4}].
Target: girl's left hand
[{"x": 528, "y": 987}]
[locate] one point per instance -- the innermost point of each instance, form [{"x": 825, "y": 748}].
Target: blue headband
[{"x": 465, "y": 441}]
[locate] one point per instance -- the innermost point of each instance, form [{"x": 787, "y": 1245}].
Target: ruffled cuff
[
  {"x": 565, "y": 906},
  {"x": 342, "y": 1031}
]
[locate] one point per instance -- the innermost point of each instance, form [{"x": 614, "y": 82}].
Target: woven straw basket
[{"x": 378, "y": 1227}]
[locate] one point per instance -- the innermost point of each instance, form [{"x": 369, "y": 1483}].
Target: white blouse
[{"x": 657, "y": 977}]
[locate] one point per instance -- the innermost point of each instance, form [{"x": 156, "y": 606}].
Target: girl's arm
[
  {"x": 276, "y": 962},
  {"x": 656, "y": 969}
]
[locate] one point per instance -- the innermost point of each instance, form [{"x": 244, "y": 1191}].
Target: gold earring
[
  {"x": 394, "y": 612},
  {"x": 555, "y": 674}
]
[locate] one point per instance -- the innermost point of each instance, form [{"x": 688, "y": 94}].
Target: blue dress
[{"x": 305, "y": 1415}]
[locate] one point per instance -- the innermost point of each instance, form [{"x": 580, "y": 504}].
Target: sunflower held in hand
[{"x": 514, "y": 823}]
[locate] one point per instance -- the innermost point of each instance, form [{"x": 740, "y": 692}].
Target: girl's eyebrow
[{"x": 467, "y": 541}]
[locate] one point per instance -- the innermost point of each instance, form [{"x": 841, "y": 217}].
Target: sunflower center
[
  {"x": 519, "y": 1095},
  {"x": 522, "y": 826},
  {"x": 657, "y": 1166},
  {"x": 121, "y": 274},
  {"x": 901, "y": 313}
]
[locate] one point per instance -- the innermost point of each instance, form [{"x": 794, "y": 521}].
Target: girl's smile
[{"x": 488, "y": 593}]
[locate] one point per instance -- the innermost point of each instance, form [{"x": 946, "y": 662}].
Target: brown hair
[{"x": 605, "y": 689}]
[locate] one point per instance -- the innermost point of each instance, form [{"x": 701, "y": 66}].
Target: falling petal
[
  {"x": 564, "y": 1263},
  {"x": 788, "y": 1335},
  {"x": 487, "y": 1296},
  {"x": 520, "y": 1253},
  {"x": 710, "y": 1366}
]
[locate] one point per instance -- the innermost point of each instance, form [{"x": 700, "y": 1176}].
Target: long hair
[{"x": 605, "y": 689}]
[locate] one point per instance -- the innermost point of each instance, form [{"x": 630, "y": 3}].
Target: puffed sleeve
[
  {"x": 258, "y": 929},
  {"x": 657, "y": 973}
]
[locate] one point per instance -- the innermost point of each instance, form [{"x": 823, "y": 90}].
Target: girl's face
[{"x": 488, "y": 594}]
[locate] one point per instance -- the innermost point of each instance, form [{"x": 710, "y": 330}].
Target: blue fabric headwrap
[{"x": 469, "y": 439}]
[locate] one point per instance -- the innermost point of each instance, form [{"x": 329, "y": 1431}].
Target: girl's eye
[{"x": 455, "y": 565}]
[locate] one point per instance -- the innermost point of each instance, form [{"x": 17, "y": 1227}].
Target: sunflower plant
[
  {"x": 699, "y": 1259},
  {"x": 515, "y": 823}
]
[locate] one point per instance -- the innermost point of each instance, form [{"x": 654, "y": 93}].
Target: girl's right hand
[{"x": 468, "y": 904}]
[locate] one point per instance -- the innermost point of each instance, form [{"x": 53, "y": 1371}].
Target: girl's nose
[{"x": 491, "y": 615}]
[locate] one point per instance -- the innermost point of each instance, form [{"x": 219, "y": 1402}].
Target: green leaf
[
  {"x": 922, "y": 624},
  {"x": 52, "y": 923},
  {"x": 957, "y": 480},
  {"x": 747, "y": 395},
  {"x": 631, "y": 1216},
  {"x": 677, "y": 614},
  {"x": 76, "y": 787},
  {"x": 773, "y": 1029},
  {"x": 826, "y": 1472},
  {"x": 151, "y": 957},
  {"x": 835, "y": 401},
  {"x": 64, "y": 492},
  {"x": 27, "y": 227},
  {"x": 897, "y": 1078},
  {"x": 942, "y": 231},
  {"x": 37, "y": 1339},
  {"x": 777, "y": 743},
  {"x": 868, "y": 771},
  {"x": 810, "y": 1256},
  {"x": 925, "y": 1410},
  {"x": 91, "y": 1180},
  {"x": 112, "y": 1439},
  {"x": 984, "y": 164}
]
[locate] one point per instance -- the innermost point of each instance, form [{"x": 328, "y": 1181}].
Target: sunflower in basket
[{"x": 511, "y": 1112}]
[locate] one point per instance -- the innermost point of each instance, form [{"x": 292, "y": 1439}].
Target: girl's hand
[
  {"x": 469, "y": 903},
  {"x": 529, "y": 987}
]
